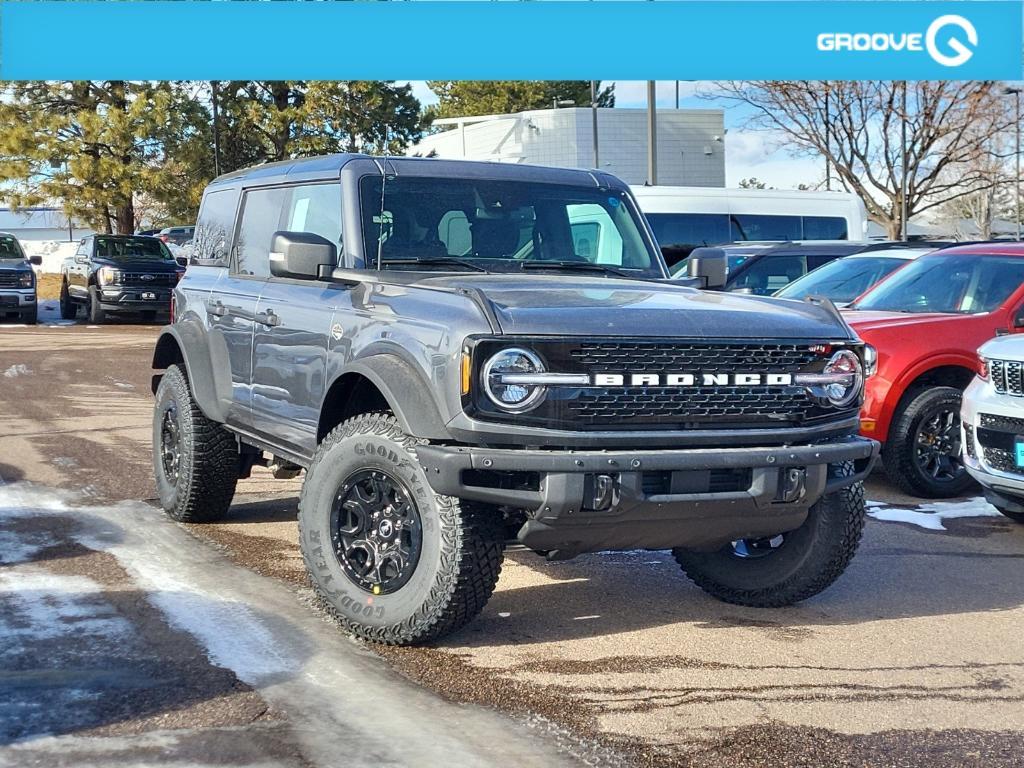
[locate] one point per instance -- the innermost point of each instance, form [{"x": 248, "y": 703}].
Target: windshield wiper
[
  {"x": 581, "y": 266},
  {"x": 436, "y": 261}
]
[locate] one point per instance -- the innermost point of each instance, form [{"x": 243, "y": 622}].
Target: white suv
[{"x": 992, "y": 416}]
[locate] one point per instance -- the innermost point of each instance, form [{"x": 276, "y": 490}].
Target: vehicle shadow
[
  {"x": 898, "y": 573},
  {"x": 263, "y": 510}
]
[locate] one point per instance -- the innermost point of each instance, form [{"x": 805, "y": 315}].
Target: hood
[
  {"x": 871, "y": 321},
  {"x": 12, "y": 265},
  {"x": 600, "y": 306}
]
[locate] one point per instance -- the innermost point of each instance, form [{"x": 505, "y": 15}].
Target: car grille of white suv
[{"x": 1006, "y": 377}]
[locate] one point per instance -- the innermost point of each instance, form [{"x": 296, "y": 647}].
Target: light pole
[
  {"x": 652, "y": 135},
  {"x": 216, "y": 129},
  {"x": 593, "y": 121},
  {"x": 903, "y": 162},
  {"x": 828, "y": 144},
  {"x": 1017, "y": 93}
]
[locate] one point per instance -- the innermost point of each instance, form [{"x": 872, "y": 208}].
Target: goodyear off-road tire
[
  {"x": 899, "y": 456},
  {"x": 459, "y": 551},
  {"x": 806, "y": 562},
  {"x": 97, "y": 315},
  {"x": 195, "y": 484},
  {"x": 68, "y": 308}
]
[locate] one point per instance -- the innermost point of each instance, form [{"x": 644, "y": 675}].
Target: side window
[
  {"x": 214, "y": 227},
  {"x": 767, "y": 275},
  {"x": 825, "y": 228},
  {"x": 261, "y": 217},
  {"x": 83, "y": 248},
  {"x": 747, "y": 226},
  {"x": 314, "y": 208}
]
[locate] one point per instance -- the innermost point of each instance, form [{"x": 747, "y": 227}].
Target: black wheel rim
[
  {"x": 937, "y": 446},
  {"x": 376, "y": 531},
  {"x": 750, "y": 549},
  {"x": 170, "y": 444}
]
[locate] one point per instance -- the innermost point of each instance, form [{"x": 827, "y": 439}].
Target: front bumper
[
  {"x": 988, "y": 448},
  {"x": 135, "y": 299},
  {"x": 654, "y": 499},
  {"x": 17, "y": 299}
]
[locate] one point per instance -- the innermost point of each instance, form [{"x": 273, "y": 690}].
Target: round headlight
[
  {"x": 847, "y": 378},
  {"x": 506, "y": 380}
]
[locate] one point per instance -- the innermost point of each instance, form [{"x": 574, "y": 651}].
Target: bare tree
[{"x": 857, "y": 128}]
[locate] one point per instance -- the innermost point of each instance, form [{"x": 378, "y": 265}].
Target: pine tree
[{"x": 461, "y": 98}]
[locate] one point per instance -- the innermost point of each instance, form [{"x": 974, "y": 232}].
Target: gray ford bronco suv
[{"x": 462, "y": 354}]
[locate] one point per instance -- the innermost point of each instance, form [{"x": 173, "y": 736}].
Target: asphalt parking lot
[{"x": 913, "y": 658}]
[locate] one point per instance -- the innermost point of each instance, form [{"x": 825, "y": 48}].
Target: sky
[{"x": 748, "y": 153}]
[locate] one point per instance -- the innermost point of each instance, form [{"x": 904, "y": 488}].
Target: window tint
[
  {"x": 769, "y": 274},
  {"x": 261, "y": 216},
  {"x": 680, "y": 233},
  {"x": 215, "y": 225},
  {"x": 842, "y": 280},
  {"x": 745, "y": 226},
  {"x": 963, "y": 283},
  {"x": 502, "y": 223},
  {"x": 314, "y": 208},
  {"x": 825, "y": 228},
  {"x": 122, "y": 248},
  {"x": 9, "y": 248}
]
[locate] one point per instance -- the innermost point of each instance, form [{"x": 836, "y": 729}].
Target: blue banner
[{"x": 665, "y": 40}]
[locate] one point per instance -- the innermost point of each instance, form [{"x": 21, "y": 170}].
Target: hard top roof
[{"x": 329, "y": 166}]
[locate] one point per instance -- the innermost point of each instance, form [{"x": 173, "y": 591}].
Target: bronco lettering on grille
[{"x": 691, "y": 379}]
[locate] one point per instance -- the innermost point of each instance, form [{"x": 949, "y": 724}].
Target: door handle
[
  {"x": 216, "y": 309},
  {"x": 268, "y": 318}
]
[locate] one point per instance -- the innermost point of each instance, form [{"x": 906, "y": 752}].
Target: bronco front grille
[
  {"x": 617, "y": 356},
  {"x": 661, "y": 404},
  {"x": 1007, "y": 377}
]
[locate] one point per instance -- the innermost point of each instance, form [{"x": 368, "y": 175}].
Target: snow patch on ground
[
  {"x": 931, "y": 516},
  {"x": 40, "y": 605},
  {"x": 17, "y": 370},
  {"x": 232, "y": 635}
]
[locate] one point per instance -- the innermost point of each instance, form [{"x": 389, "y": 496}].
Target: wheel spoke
[{"x": 376, "y": 531}]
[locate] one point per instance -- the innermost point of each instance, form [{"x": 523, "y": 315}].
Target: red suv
[{"x": 926, "y": 322}]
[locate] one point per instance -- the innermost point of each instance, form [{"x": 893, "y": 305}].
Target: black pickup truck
[
  {"x": 464, "y": 354},
  {"x": 118, "y": 273}
]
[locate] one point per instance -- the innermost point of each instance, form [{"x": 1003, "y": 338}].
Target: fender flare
[
  {"x": 181, "y": 342},
  {"x": 408, "y": 394}
]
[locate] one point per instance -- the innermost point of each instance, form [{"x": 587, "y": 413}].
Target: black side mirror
[
  {"x": 710, "y": 265},
  {"x": 35, "y": 261},
  {"x": 301, "y": 255},
  {"x": 1018, "y": 318}
]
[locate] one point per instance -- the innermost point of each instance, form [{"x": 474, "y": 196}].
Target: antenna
[{"x": 383, "y": 187}]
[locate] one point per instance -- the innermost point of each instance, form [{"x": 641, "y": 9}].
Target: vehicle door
[
  {"x": 293, "y": 323},
  {"x": 78, "y": 269},
  {"x": 232, "y": 305}
]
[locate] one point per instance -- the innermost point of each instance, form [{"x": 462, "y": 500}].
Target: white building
[
  {"x": 40, "y": 224},
  {"x": 691, "y": 147}
]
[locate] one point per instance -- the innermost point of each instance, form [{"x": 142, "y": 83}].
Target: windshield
[
  {"x": 502, "y": 226},
  {"x": 10, "y": 250},
  {"x": 964, "y": 284},
  {"x": 122, "y": 248},
  {"x": 842, "y": 280}
]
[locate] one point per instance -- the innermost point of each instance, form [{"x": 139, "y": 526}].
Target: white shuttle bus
[{"x": 684, "y": 218}]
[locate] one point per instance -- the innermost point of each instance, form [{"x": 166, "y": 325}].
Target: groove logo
[{"x": 961, "y": 43}]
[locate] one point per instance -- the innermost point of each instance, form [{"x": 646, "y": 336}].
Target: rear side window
[
  {"x": 825, "y": 228},
  {"x": 214, "y": 228}
]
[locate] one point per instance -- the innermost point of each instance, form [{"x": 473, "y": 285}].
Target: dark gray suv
[{"x": 463, "y": 354}]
